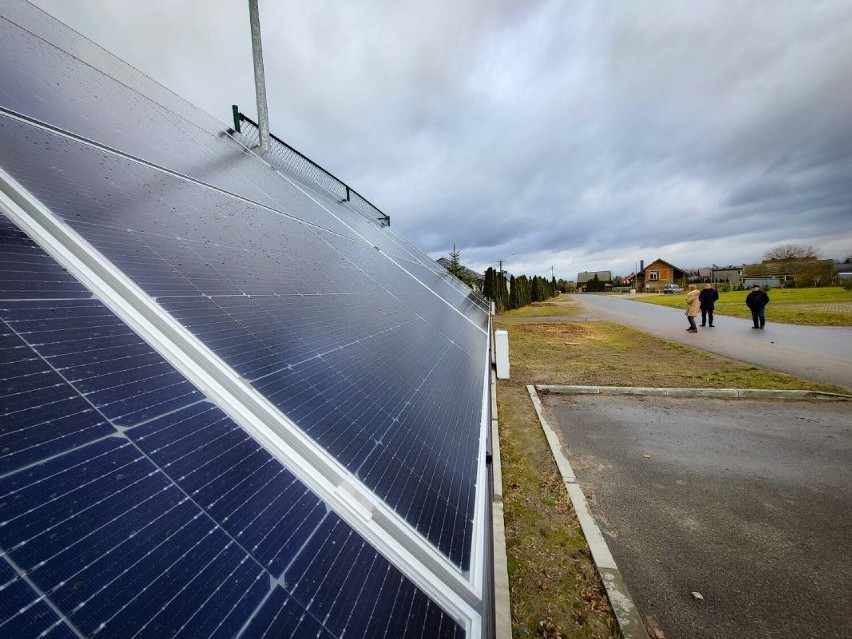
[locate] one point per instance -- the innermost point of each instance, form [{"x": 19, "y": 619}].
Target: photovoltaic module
[{"x": 231, "y": 405}]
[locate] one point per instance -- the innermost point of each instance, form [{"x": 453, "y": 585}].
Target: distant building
[
  {"x": 587, "y": 276},
  {"x": 594, "y": 281},
  {"x": 657, "y": 274},
  {"x": 732, "y": 275},
  {"x": 843, "y": 270}
]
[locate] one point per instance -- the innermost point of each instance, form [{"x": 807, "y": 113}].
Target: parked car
[{"x": 672, "y": 289}]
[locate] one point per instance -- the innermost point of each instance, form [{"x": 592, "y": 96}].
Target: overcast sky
[{"x": 583, "y": 135}]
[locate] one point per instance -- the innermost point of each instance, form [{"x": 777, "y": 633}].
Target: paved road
[
  {"x": 746, "y": 502},
  {"x": 819, "y": 353}
]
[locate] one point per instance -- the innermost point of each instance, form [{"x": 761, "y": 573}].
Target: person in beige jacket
[{"x": 693, "y": 307}]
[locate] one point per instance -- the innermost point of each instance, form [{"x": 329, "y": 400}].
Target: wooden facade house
[{"x": 657, "y": 274}]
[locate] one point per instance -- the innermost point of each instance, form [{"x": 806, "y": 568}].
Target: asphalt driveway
[{"x": 746, "y": 502}]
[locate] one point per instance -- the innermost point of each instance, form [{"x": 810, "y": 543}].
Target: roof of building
[
  {"x": 586, "y": 276},
  {"x": 678, "y": 272}
]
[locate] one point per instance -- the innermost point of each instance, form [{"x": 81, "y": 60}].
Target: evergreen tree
[
  {"x": 514, "y": 292},
  {"x": 594, "y": 285},
  {"x": 518, "y": 291},
  {"x": 540, "y": 289},
  {"x": 489, "y": 287},
  {"x": 502, "y": 292},
  {"x": 495, "y": 290},
  {"x": 455, "y": 267}
]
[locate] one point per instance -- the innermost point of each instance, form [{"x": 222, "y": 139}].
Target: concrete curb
[
  {"x": 626, "y": 613},
  {"x": 502, "y": 602},
  {"x": 736, "y": 393}
]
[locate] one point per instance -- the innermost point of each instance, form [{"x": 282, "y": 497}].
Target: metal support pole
[
  {"x": 259, "y": 79},
  {"x": 235, "y": 111}
]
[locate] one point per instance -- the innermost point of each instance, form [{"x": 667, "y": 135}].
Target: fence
[{"x": 290, "y": 161}]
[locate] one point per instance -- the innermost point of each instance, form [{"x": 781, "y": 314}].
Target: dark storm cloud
[{"x": 583, "y": 135}]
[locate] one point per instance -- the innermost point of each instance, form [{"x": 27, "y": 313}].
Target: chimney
[{"x": 641, "y": 265}]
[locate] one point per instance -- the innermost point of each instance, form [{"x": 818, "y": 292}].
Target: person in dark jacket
[
  {"x": 707, "y": 298},
  {"x": 757, "y": 301}
]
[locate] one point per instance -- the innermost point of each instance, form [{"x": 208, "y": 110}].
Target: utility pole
[
  {"x": 259, "y": 78},
  {"x": 501, "y": 260}
]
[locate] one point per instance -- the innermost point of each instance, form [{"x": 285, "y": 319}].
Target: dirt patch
[
  {"x": 573, "y": 331},
  {"x": 609, "y": 354}
]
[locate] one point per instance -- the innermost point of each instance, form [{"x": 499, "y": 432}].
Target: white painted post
[{"x": 501, "y": 343}]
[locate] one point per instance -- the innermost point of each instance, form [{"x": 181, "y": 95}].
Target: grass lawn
[
  {"x": 537, "y": 309},
  {"x": 555, "y": 590},
  {"x": 824, "y": 306}
]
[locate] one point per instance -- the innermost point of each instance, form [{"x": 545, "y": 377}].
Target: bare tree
[{"x": 784, "y": 252}]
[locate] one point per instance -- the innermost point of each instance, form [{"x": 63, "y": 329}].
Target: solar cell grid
[
  {"x": 25, "y": 270},
  {"x": 281, "y": 333},
  {"x": 39, "y": 23},
  {"x": 179, "y": 525},
  {"x": 41, "y": 415},
  {"x": 22, "y": 613},
  {"x": 313, "y": 580},
  {"x": 376, "y": 235},
  {"x": 281, "y": 616},
  {"x": 465, "y": 302},
  {"x": 120, "y": 545},
  {"x": 256, "y": 268},
  {"x": 384, "y": 370},
  {"x": 60, "y": 333},
  {"x": 41, "y": 81},
  {"x": 419, "y": 265},
  {"x": 163, "y": 138}
]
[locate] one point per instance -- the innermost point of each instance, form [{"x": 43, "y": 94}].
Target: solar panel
[
  {"x": 160, "y": 514},
  {"x": 315, "y": 382},
  {"x": 314, "y": 336},
  {"x": 108, "y": 102}
]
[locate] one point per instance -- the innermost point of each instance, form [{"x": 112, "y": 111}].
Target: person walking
[
  {"x": 692, "y": 307},
  {"x": 707, "y": 298},
  {"x": 757, "y": 301}
]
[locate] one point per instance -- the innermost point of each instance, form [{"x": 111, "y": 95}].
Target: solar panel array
[{"x": 134, "y": 502}]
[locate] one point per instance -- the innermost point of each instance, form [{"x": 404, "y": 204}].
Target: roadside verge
[{"x": 626, "y": 613}]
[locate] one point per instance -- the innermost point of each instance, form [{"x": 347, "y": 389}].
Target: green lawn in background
[{"x": 823, "y": 306}]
